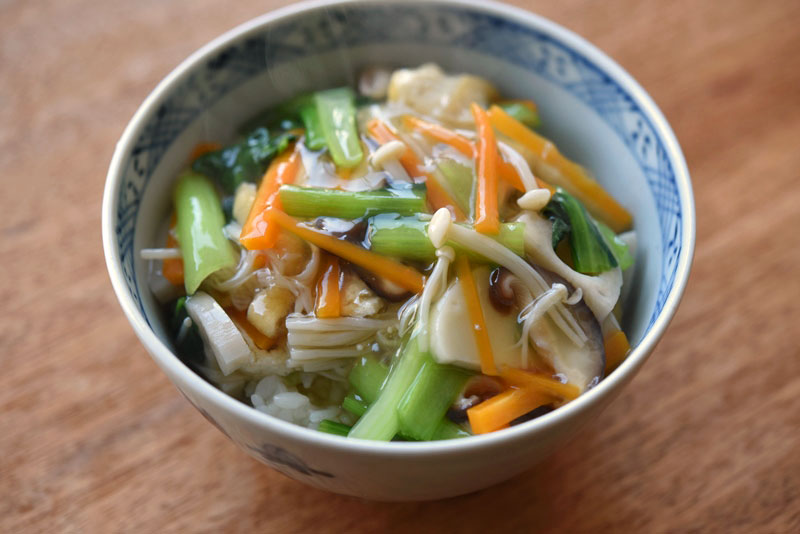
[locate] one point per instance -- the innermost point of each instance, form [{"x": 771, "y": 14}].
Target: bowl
[{"x": 594, "y": 111}]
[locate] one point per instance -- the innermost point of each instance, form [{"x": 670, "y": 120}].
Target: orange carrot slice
[
  {"x": 438, "y": 197},
  {"x": 203, "y": 148},
  {"x": 617, "y": 348},
  {"x": 577, "y": 181},
  {"x": 328, "y": 296},
  {"x": 260, "y": 340},
  {"x": 544, "y": 384},
  {"x": 172, "y": 269},
  {"x": 476, "y": 315},
  {"x": 497, "y": 412},
  {"x": 402, "y": 275},
  {"x": 257, "y": 232},
  {"x": 441, "y": 134},
  {"x": 487, "y": 219}
]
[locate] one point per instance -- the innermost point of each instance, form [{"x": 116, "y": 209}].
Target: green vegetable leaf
[
  {"x": 618, "y": 247},
  {"x": 590, "y": 253},
  {"x": 245, "y": 161}
]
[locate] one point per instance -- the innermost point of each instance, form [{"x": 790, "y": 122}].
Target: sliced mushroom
[
  {"x": 600, "y": 292},
  {"x": 582, "y": 366},
  {"x": 383, "y": 287}
]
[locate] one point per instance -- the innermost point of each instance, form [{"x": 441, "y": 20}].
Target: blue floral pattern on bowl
[{"x": 344, "y": 26}]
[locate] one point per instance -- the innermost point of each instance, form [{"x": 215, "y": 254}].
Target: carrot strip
[
  {"x": 487, "y": 219},
  {"x": 203, "y": 148},
  {"x": 508, "y": 174},
  {"x": 441, "y": 134},
  {"x": 172, "y": 269},
  {"x": 498, "y": 411},
  {"x": 328, "y": 303},
  {"x": 524, "y": 379},
  {"x": 402, "y": 275},
  {"x": 257, "y": 233},
  {"x": 617, "y": 348},
  {"x": 260, "y": 340},
  {"x": 476, "y": 316},
  {"x": 576, "y": 180},
  {"x": 438, "y": 197}
]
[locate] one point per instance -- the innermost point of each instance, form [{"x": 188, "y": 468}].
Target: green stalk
[
  {"x": 337, "y": 117},
  {"x": 425, "y": 404},
  {"x": 381, "y": 422},
  {"x": 367, "y": 378},
  {"x": 315, "y": 137},
  {"x": 311, "y": 202},
  {"x": 333, "y": 427},
  {"x": 407, "y": 238},
  {"x": 449, "y": 430},
  {"x": 200, "y": 220},
  {"x": 354, "y": 406}
]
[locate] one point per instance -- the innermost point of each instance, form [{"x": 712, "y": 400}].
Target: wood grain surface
[{"x": 93, "y": 438}]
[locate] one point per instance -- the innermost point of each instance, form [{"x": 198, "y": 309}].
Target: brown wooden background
[{"x": 94, "y": 438}]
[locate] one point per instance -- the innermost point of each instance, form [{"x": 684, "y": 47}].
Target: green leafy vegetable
[
  {"x": 590, "y": 253},
  {"x": 460, "y": 182},
  {"x": 188, "y": 342},
  {"x": 245, "y": 161},
  {"x": 618, "y": 247}
]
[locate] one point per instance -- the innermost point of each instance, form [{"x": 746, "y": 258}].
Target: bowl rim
[{"x": 608, "y": 386}]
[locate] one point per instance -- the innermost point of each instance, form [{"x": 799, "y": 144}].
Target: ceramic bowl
[{"x": 594, "y": 111}]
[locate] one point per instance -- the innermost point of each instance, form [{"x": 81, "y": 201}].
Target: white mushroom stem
[
  {"x": 160, "y": 253},
  {"x": 535, "y": 310},
  {"x": 534, "y": 200},
  {"x": 441, "y": 230},
  {"x": 218, "y": 332},
  {"x": 434, "y": 286},
  {"x": 520, "y": 165},
  {"x": 387, "y": 158}
]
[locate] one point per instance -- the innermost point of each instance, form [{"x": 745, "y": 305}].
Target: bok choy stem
[{"x": 311, "y": 202}]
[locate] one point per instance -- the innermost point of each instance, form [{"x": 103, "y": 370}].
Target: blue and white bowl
[{"x": 594, "y": 111}]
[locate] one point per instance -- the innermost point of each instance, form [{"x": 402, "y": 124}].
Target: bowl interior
[{"x": 591, "y": 109}]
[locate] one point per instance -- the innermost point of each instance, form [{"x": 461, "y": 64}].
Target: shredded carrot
[
  {"x": 172, "y": 269},
  {"x": 328, "y": 299},
  {"x": 260, "y": 340},
  {"x": 438, "y": 197},
  {"x": 577, "y": 181},
  {"x": 498, "y": 411},
  {"x": 257, "y": 233},
  {"x": 487, "y": 219},
  {"x": 617, "y": 348},
  {"x": 508, "y": 174},
  {"x": 203, "y": 148},
  {"x": 441, "y": 134},
  {"x": 402, "y": 275},
  {"x": 524, "y": 379},
  {"x": 476, "y": 316}
]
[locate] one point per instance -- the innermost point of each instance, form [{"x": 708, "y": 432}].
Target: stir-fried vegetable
[
  {"x": 558, "y": 170},
  {"x": 311, "y": 202},
  {"x": 245, "y": 161},
  {"x": 204, "y": 247},
  {"x": 406, "y": 237},
  {"x": 321, "y": 290},
  {"x": 257, "y": 231},
  {"x": 336, "y": 112},
  {"x": 590, "y": 253}
]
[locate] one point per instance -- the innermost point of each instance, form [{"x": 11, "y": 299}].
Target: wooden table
[{"x": 93, "y": 438}]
